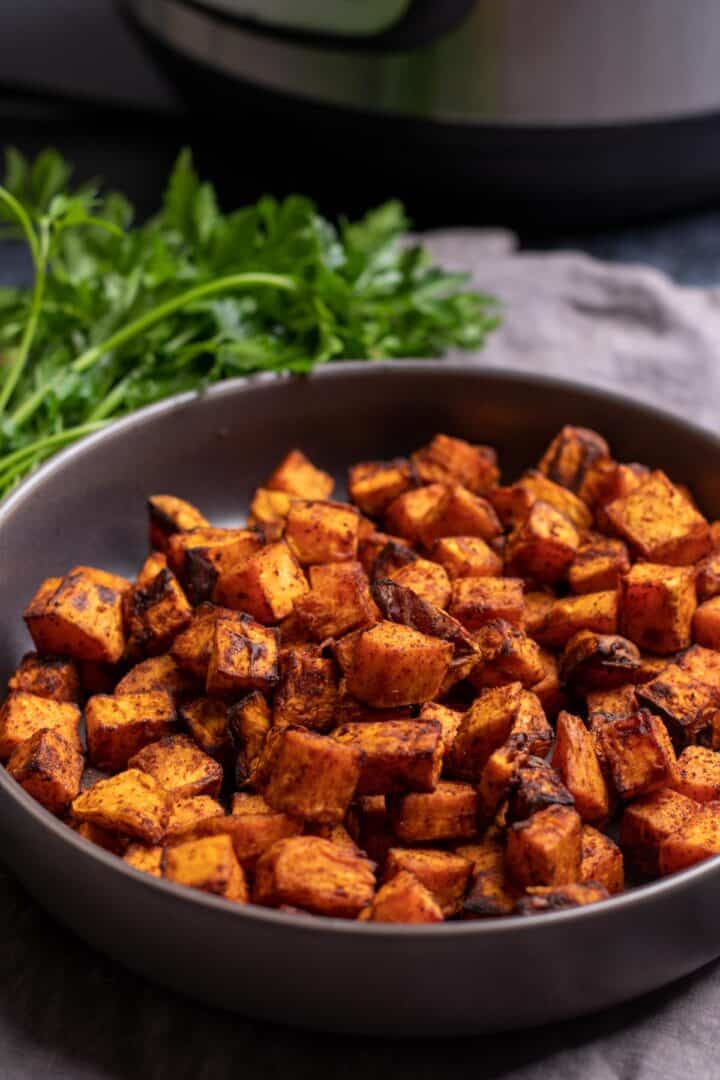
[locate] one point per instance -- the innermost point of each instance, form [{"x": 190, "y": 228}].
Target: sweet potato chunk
[
  {"x": 535, "y": 785},
  {"x": 403, "y": 899},
  {"x": 699, "y": 774},
  {"x": 444, "y": 874},
  {"x": 543, "y": 546},
  {"x": 695, "y": 839},
  {"x": 483, "y": 728},
  {"x": 23, "y": 714},
  {"x": 192, "y": 816},
  {"x": 660, "y": 523},
  {"x": 369, "y": 823},
  {"x": 265, "y": 586},
  {"x": 517, "y": 500},
  {"x": 506, "y": 655},
  {"x": 179, "y": 766},
  {"x": 208, "y": 864},
  {"x": 374, "y": 484},
  {"x": 575, "y": 759},
  {"x": 492, "y": 892},
  {"x": 395, "y": 755},
  {"x": 131, "y": 802},
  {"x": 395, "y": 665},
  {"x": 244, "y": 656},
  {"x": 570, "y": 455},
  {"x": 657, "y": 605},
  {"x": 448, "y": 719},
  {"x": 544, "y": 900},
  {"x": 315, "y": 875},
  {"x": 269, "y": 511},
  {"x": 447, "y": 813},
  {"x": 338, "y": 601},
  {"x": 448, "y": 460},
  {"x": 598, "y": 565},
  {"x": 686, "y": 704},
  {"x": 192, "y": 647},
  {"x": 249, "y": 721},
  {"x": 639, "y": 754},
  {"x": 147, "y": 859},
  {"x": 459, "y": 513},
  {"x": 706, "y": 624},
  {"x": 307, "y": 691},
  {"x": 47, "y": 677},
  {"x": 297, "y": 475},
  {"x": 207, "y": 721},
  {"x": 546, "y": 849},
  {"x": 593, "y": 661},
  {"x": 156, "y": 673},
  {"x": 82, "y": 618},
  {"x": 118, "y": 726},
  {"x": 568, "y": 616},
  {"x": 155, "y": 562},
  {"x": 550, "y": 690},
  {"x": 322, "y": 532},
  {"x": 612, "y": 703},
  {"x": 405, "y": 515},
  {"x": 602, "y": 860},
  {"x": 536, "y": 608},
  {"x": 154, "y": 614},
  {"x": 477, "y": 601},
  {"x": 202, "y": 556},
  {"x": 649, "y": 820},
  {"x": 703, "y": 664},
  {"x": 707, "y": 575},
  {"x": 307, "y": 775},
  {"x": 49, "y": 767},
  {"x": 466, "y": 556},
  {"x": 427, "y": 579},
  {"x": 254, "y": 827},
  {"x": 169, "y": 515}
]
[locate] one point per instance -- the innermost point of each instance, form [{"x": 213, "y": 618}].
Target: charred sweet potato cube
[
  {"x": 657, "y": 605},
  {"x": 405, "y": 515},
  {"x": 535, "y": 786},
  {"x": 595, "y": 661},
  {"x": 706, "y": 624},
  {"x": 307, "y": 775},
  {"x": 550, "y": 690},
  {"x": 23, "y": 714},
  {"x": 266, "y": 585},
  {"x": 649, "y": 820},
  {"x": 82, "y": 618},
  {"x": 699, "y": 774},
  {"x": 322, "y": 532},
  {"x": 443, "y": 873},
  {"x": 370, "y": 548},
  {"x": 514, "y": 503},
  {"x": 155, "y": 562},
  {"x": 695, "y": 839},
  {"x": 466, "y": 556},
  {"x": 542, "y": 900},
  {"x": 703, "y": 664},
  {"x": 477, "y": 601},
  {"x": 244, "y": 656},
  {"x": 448, "y": 460},
  {"x": 269, "y": 511},
  {"x": 315, "y": 875},
  {"x": 307, "y": 691},
  {"x": 170, "y": 515},
  {"x": 612, "y": 703},
  {"x": 491, "y": 894},
  {"x": 208, "y": 864},
  {"x": 536, "y": 607},
  {"x": 498, "y": 777},
  {"x": 132, "y": 802},
  {"x": 506, "y": 655},
  {"x": 254, "y": 827},
  {"x": 685, "y": 703},
  {"x": 575, "y": 759},
  {"x": 207, "y": 721},
  {"x": 427, "y": 579},
  {"x": 543, "y": 546},
  {"x": 47, "y": 677},
  {"x": 660, "y": 524},
  {"x": 707, "y": 575},
  {"x": 249, "y": 721},
  {"x": 339, "y": 601},
  {"x": 571, "y": 453},
  {"x": 546, "y": 849},
  {"x": 395, "y": 755},
  {"x": 118, "y": 726},
  {"x": 596, "y": 612},
  {"x": 598, "y": 565},
  {"x": 403, "y": 899},
  {"x": 369, "y": 825},
  {"x": 297, "y": 475},
  {"x": 531, "y": 727},
  {"x": 192, "y": 816},
  {"x": 447, "y": 813},
  {"x": 395, "y": 665},
  {"x": 147, "y": 859},
  {"x": 459, "y": 513},
  {"x": 154, "y": 615},
  {"x": 192, "y": 647},
  {"x": 448, "y": 719},
  {"x": 156, "y": 673},
  {"x": 484, "y": 727},
  {"x": 608, "y": 480},
  {"x": 602, "y": 860},
  {"x": 202, "y": 556},
  {"x": 49, "y": 768},
  {"x": 373, "y": 485},
  {"x": 639, "y": 754},
  {"x": 179, "y": 766}
]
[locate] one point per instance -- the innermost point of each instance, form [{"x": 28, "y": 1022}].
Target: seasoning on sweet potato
[
  {"x": 448, "y": 460},
  {"x": 546, "y": 849},
  {"x": 307, "y": 691},
  {"x": 147, "y": 859},
  {"x": 322, "y": 532},
  {"x": 492, "y": 892},
  {"x": 444, "y": 874},
  {"x": 479, "y": 600},
  {"x": 483, "y": 728},
  {"x": 687, "y": 705},
  {"x": 597, "y": 612},
  {"x": 660, "y": 523},
  {"x": 249, "y": 721},
  {"x": 315, "y": 875},
  {"x": 47, "y": 677},
  {"x": 244, "y": 656},
  {"x": 695, "y": 839},
  {"x": 395, "y": 755},
  {"x": 458, "y": 513},
  {"x": 506, "y": 655},
  {"x": 598, "y": 565},
  {"x": 338, "y": 601},
  {"x": 535, "y": 785},
  {"x": 208, "y": 864},
  {"x": 373, "y": 485},
  {"x": 49, "y": 768},
  {"x": 132, "y": 802},
  {"x": 602, "y": 860},
  {"x": 395, "y": 665},
  {"x": 192, "y": 815},
  {"x": 154, "y": 615},
  {"x": 157, "y": 673},
  {"x": 572, "y": 452},
  {"x": 649, "y": 820},
  {"x": 466, "y": 556},
  {"x": 308, "y": 776},
  {"x": 575, "y": 759},
  {"x": 447, "y": 813},
  {"x": 297, "y": 475},
  {"x": 706, "y": 624},
  {"x": 266, "y": 585},
  {"x": 118, "y": 726},
  {"x": 81, "y": 618},
  {"x": 699, "y": 774},
  {"x": 593, "y": 661},
  {"x": 403, "y": 899},
  {"x": 23, "y": 714},
  {"x": 639, "y": 754},
  {"x": 269, "y": 511},
  {"x": 170, "y": 515},
  {"x": 202, "y": 556},
  {"x": 543, "y": 546},
  {"x": 206, "y": 719},
  {"x": 544, "y": 900},
  {"x": 405, "y": 515},
  {"x": 179, "y": 766},
  {"x": 427, "y": 579},
  {"x": 657, "y": 604}
]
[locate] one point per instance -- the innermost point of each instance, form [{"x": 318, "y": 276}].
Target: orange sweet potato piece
[
  {"x": 575, "y": 759},
  {"x": 660, "y": 523},
  {"x": 657, "y": 606},
  {"x": 403, "y": 899},
  {"x": 546, "y": 849},
  {"x": 23, "y": 714},
  {"x": 82, "y": 618},
  {"x": 395, "y": 755},
  {"x": 48, "y": 677},
  {"x": 297, "y": 475},
  {"x": 179, "y": 766},
  {"x": 602, "y": 860},
  {"x": 49, "y": 768},
  {"x": 307, "y": 775},
  {"x": 315, "y": 875}
]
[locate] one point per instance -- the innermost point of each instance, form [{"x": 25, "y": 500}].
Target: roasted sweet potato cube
[
  {"x": 550, "y": 689},
  {"x": 266, "y": 585},
  {"x": 118, "y": 726},
  {"x": 707, "y": 575},
  {"x": 466, "y": 556},
  {"x": 506, "y": 655},
  {"x": 207, "y": 721},
  {"x": 49, "y": 767},
  {"x": 254, "y": 827},
  {"x": 546, "y": 849},
  {"x": 448, "y": 460},
  {"x": 395, "y": 755},
  {"x": 82, "y": 618},
  {"x": 395, "y": 665},
  {"x": 249, "y": 721},
  {"x": 201, "y": 557},
  {"x": 179, "y": 766},
  {"x": 699, "y": 774},
  {"x": 132, "y": 802},
  {"x": 322, "y": 532},
  {"x": 660, "y": 523},
  {"x": 307, "y": 692},
  {"x": 484, "y": 727},
  {"x": 307, "y": 775},
  {"x": 370, "y": 548},
  {"x": 703, "y": 664},
  {"x": 170, "y": 515},
  {"x": 297, "y": 475},
  {"x": 477, "y": 601},
  {"x": 403, "y": 899},
  {"x": 208, "y": 864},
  {"x": 154, "y": 615},
  {"x": 639, "y": 754},
  {"x": 448, "y": 719},
  {"x": 687, "y": 705},
  {"x": 192, "y": 816},
  {"x": 657, "y": 605},
  {"x": 23, "y": 714},
  {"x": 543, "y": 546},
  {"x": 498, "y": 776},
  {"x": 405, "y": 514},
  {"x": 443, "y": 873},
  {"x": 533, "y": 486},
  {"x": 374, "y": 484},
  {"x": 155, "y": 562},
  {"x": 598, "y": 565},
  {"x": 543, "y": 900},
  {"x": 570, "y": 614},
  {"x": 447, "y": 813},
  {"x": 157, "y": 673},
  {"x": 575, "y": 759},
  {"x": 244, "y": 656},
  {"x": 147, "y": 859},
  {"x": 695, "y": 839},
  {"x": 536, "y": 607},
  {"x": 608, "y": 480},
  {"x": 531, "y": 727},
  {"x": 649, "y": 820},
  {"x": 339, "y": 601},
  {"x": 269, "y": 511},
  {"x": 602, "y": 860},
  {"x": 459, "y": 513},
  {"x": 706, "y": 624},
  {"x": 606, "y": 704},
  {"x": 315, "y": 875},
  {"x": 491, "y": 894},
  {"x": 427, "y": 579},
  {"x": 192, "y": 647},
  {"x": 535, "y": 785},
  {"x": 48, "y": 677},
  {"x": 572, "y": 452},
  {"x": 593, "y": 661},
  {"x": 369, "y": 825}
]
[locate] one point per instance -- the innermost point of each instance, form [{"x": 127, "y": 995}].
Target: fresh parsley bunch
[{"x": 120, "y": 314}]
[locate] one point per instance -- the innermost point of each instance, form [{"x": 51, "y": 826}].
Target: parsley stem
[
  {"x": 39, "y": 252},
  {"x": 14, "y": 462}
]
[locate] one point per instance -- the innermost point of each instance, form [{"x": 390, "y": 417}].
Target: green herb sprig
[{"x": 120, "y": 315}]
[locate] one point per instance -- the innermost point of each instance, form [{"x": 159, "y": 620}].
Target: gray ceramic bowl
[{"x": 87, "y": 506}]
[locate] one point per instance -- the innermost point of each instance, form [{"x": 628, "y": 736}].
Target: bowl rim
[{"x": 501, "y": 925}]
